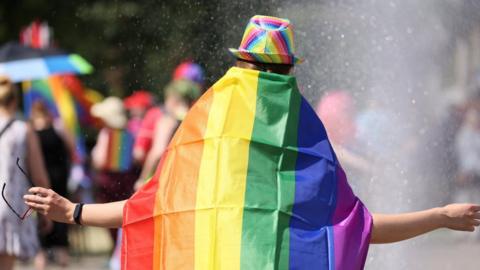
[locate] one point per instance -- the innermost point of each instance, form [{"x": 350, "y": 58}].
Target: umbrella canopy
[
  {"x": 13, "y": 50},
  {"x": 22, "y": 63},
  {"x": 67, "y": 100}
]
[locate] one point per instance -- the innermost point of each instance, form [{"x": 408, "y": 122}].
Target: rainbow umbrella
[
  {"x": 66, "y": 99},
  {"x": 249, "y": 181},
  {"x": 22, "y": 63}
]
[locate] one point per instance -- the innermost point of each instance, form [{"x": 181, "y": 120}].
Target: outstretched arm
[
  {"x": 399, "y": 227},
  {"x": 60, "y": 209}
]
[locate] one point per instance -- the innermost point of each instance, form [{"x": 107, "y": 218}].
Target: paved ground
[
  {"x": 84, "y": 263},
  {"x": 441, "y": 250}
]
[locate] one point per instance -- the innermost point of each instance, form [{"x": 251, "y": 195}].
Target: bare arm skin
[
  {"x": 58, "y": 208},
  {"x": 399, "y": 227}
]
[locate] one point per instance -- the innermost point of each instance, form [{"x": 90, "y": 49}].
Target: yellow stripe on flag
[{"x": 223, "y": 174}]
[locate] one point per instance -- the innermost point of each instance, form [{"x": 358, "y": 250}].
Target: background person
[
  {"x": 57, "y": 156},
  {"x": 179, "y": 97},
  {"x": 337, "y": 111},
  {"x": 187, "y": 70},
  {"x": 137, "y": 106},
  {"x": 18, "y": 238},
  {"x": 112, "y": 154}
]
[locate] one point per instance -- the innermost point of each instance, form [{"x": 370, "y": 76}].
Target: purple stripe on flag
[{"x": 352, "y": 225}]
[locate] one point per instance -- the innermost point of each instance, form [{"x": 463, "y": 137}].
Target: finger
[
  {"x": 36, "y": 199},
  {"x": 468, "y": 229},
  {"x": 476, "y": 215},
  {"x": 475, "y": 222},
  {"x": 37, "y": 207},
  {"x": 475, "y": 208}
]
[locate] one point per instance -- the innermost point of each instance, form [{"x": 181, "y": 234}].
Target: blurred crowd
[
  {"x": 443, "y": 151},
  {"x": 133, "y": 134}
]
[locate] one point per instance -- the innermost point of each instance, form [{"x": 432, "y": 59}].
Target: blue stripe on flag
[{"x": 315, "y": 195}]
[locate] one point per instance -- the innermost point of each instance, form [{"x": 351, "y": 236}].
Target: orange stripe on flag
[{"x": 174, "y": 213}]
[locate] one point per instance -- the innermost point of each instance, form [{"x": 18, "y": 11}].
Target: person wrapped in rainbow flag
[{"x": 250, "y": 181}]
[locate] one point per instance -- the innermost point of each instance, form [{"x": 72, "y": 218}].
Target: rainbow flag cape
[{"x": 249, "y": 181}]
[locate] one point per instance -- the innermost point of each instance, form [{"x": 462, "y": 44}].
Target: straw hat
[
  {"x": 111, "y": 111},
  {"x": 268, "y": 40}
]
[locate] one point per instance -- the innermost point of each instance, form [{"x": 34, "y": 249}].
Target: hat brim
[
  {"x": 268, "y": 58},
  {"x": 109, "y": 115},
  {"x": 116, "y": 122}
]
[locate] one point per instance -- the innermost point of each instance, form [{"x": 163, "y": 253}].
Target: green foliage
[{"x": 136, "y": 44}]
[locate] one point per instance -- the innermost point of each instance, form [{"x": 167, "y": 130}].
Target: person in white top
[{"x": 18, "y": 144}]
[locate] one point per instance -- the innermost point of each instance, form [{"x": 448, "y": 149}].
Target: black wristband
[{"x": 77, "y": 214}]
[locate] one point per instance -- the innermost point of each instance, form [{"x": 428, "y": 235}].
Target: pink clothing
[
  {"x": 336, "y": 110},
  {"x": 134, "y": 125}
]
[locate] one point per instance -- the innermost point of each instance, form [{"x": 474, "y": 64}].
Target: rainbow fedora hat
[{"x": 267, "y": 40}]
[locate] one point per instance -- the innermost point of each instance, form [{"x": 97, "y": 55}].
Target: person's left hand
[{"x": 461, "y": 217}]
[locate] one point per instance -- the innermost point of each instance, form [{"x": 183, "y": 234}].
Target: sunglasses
[{"x": 26, "y": 213}]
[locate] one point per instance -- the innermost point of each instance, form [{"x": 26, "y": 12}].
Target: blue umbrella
[{"x": 21, "y": 63}]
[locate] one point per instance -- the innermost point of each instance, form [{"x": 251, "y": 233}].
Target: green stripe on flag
[{"x": 270, "y": 187}]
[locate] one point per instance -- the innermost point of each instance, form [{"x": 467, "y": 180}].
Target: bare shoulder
[{"x": 166, "y": 122}]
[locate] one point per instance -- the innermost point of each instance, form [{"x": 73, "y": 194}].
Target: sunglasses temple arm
[
  {"x": 29, "y": 179},
  {"x": 9, "y": 206},
  {"x": 27, "y": 213}
]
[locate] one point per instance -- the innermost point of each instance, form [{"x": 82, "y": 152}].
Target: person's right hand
[
  {"x": 48, "y": 203},
  {"x": 461, "y": 217}
]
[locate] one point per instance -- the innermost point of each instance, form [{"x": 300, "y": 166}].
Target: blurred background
[{"x": 396, "y": 83}]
